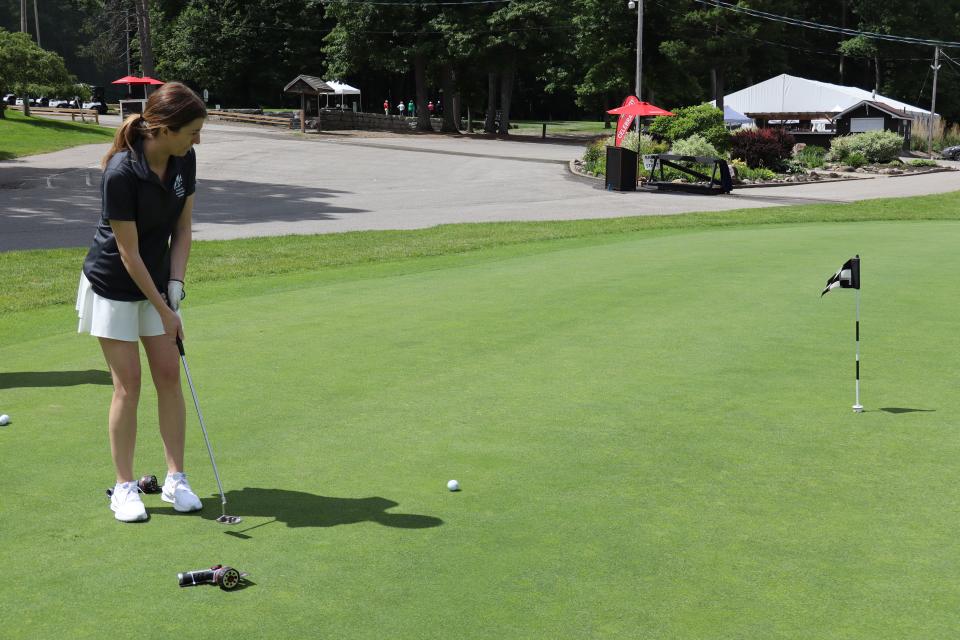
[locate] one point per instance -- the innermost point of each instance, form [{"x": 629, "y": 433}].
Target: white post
[{"x": 857, "y": 407}]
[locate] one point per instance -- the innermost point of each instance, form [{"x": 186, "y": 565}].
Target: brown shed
[
  {"x": 868, "y": 115},
  {"x": 307, "y": 85}
]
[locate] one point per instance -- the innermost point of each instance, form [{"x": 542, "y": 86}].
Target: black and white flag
[{"x": 848, "y": 277}]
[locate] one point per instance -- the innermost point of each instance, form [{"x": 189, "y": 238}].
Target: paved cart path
[{"x": 262, "y": 181}]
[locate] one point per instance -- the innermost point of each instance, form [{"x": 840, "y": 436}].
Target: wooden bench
[
  {"x": 282, "y": 121},
  {"x": 73, "y": 113}
]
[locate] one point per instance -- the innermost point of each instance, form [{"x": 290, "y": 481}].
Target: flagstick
[{"x": 858, "y": 408}]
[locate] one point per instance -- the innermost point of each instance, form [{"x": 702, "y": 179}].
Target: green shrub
[
  {"x": 695, "y": 145},
  {"x": 595, "y": 155},
  {"x": 811, "y": 156},
  {"x": 596, "y": 151},
  {"x": 856, "y": 159},
  {"x": 874, "y": 146},
  {"x": 703, "y": 119},
  {"x": 922, "y": 163},
  {"x": 744, "y": 172}
]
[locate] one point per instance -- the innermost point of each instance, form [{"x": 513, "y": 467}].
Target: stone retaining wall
[{"x": 334, "y": 120}]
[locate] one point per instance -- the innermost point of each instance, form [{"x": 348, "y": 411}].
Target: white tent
[
  {"x": 732, "y": 116},
  {"x": 790, "y": 94},
  {"x": 342, "y": 89}
]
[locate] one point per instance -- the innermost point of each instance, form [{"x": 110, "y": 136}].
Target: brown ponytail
[{"x": 172, "y": 106}]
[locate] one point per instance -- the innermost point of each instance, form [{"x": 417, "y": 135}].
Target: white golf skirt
[{"x": 115, "y": 319}]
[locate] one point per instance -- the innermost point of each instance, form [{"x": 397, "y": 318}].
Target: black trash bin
[{"x": 621, "y": 169}]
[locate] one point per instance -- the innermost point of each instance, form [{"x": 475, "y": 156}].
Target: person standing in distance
[{"x": 132, "y": 281}]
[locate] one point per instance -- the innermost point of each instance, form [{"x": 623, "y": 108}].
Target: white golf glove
[{"x": 175, "y": 294}]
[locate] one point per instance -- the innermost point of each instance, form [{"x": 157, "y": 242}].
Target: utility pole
[
  {"x": 637, "y": 86},
  {"x": 23, "y": 16},
  {"x": 933, "y": 101}
]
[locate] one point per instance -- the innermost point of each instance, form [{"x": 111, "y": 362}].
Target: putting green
[{"x": 652, "y": 432}]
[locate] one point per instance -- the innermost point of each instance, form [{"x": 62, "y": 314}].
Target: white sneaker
[
  {"x": 177, "y": 490},
  {"x": 126, "y": 503}
]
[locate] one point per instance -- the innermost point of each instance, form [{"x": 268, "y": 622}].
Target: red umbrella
[
  {"x": 145, "y": 80},
  {"x": 133, "y": 80},
  {"x": 639, "y": 109},
  {"x": 153, "y": 80}
]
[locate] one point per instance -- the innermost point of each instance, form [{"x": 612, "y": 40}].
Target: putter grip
[{"x": 180, "y": 346}]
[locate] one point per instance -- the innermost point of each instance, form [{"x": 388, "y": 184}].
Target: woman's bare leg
[
  {"x": 123, "y": 358},
  {"x": 164, "y": 362}
]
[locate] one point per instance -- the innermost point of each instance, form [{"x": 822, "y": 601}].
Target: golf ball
[
  {"x": 4, "y": 420},
  {"x": 453, "y": 485}
]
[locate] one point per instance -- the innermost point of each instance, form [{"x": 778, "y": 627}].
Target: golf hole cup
[{"x": 453, "y": 485}]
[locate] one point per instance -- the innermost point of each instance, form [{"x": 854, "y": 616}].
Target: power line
[{"x": 825, "y": 27}]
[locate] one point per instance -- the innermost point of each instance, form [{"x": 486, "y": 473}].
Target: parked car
[
  {"x": 951, "y": 153},
  {"x": 10, "y": 99},
  {"x": 34, "y": 102}
]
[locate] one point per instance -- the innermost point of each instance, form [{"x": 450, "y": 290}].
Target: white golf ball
[
  {"x": 453, "y": 485},
  {"x": 4, "y": 420}
]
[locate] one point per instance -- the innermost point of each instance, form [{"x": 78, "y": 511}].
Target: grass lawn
[
  {"x": 22, "y": 136},
  {"x": 652, "y": 429},
  {"x": 565, "y": 126}
]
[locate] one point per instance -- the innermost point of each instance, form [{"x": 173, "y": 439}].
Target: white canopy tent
[
  {"x": 791, "y": 95},
  {"x": 342, "y": 89},
  {"x": 733, "y": 117}
]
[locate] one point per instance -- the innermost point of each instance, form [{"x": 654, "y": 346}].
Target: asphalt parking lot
[{"x": 257, "y": 182}]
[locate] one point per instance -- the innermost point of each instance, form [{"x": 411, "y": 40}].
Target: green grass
[
  {"x": 35, "y": 279},
  {"x": 22, "y": 136},
  {"x": 565, "y": 126},
  {"x": 652, "y": 430}
]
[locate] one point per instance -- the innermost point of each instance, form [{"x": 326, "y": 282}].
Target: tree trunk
[
  {"x": 449, "y": 88},
  {"x": 876, "y": 73},
  {"x": 143, "y": 31},
  {"x": 420, "y": 78},
  {"x": 26, "y": 106},
  {"x": 489, "y": 125},
  {"x": 719, "y": 88},
  {"x": 843, "y": 25},
  {"x": 506, "y": 96},
  {"x": 456, "y": 107},
  {"x": 606, "y": 107}
]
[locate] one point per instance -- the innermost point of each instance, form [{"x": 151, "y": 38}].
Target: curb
[{"x": 571, "y": 167}]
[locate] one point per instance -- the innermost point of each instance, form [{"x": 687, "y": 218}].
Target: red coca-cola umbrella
[{"x": 639, "y": 109}]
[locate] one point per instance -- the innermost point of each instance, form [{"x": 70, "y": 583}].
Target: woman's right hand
[{"x": 172, "y": 324}]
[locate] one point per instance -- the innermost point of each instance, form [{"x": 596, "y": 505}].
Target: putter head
[{"x": 225, "y": 519}]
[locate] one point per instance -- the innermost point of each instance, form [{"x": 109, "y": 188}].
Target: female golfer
[{"x": 132, "y": 281}]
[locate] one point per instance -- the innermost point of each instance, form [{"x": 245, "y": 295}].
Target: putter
[{"x": 223, "y": 519}]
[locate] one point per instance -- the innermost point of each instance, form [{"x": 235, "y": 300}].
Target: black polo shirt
[{"x": 130, "y": 191}]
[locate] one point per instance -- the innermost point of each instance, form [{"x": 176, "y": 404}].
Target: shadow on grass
[
  {"x": 16, "y": 379},
  {"x": 905, "y": 410},
  {"x": 301, "y": 509}
]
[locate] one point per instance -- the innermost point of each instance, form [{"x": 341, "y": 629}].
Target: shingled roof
[{"x": 308, "y": 84}]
